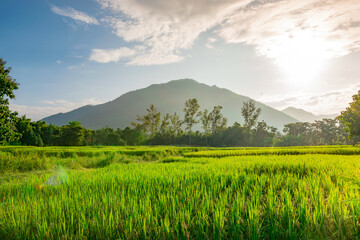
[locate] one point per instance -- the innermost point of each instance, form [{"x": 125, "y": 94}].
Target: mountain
[
  {"x": 168, "y": 98},
  {"x": 304, "y": 116}
]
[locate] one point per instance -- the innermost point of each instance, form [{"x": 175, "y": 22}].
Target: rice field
[{"x": 179, "y": 193}]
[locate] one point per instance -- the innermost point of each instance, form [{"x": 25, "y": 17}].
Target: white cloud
[
  {"x": 332, "y": 102},
  {"x": 74, "y": 14},
  {"x": 112, "y": 55},
  {"x": 72, "y": 67},
  {"x": 292, "y": 30},
  {"x": 165, "y": 28},
  {"x": 58, "y": 61},
  {"x": 210, "y": 42},
  {"x": 50, "y": 107}
]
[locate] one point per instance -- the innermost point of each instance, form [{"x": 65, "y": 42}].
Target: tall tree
[
  {"x": 7, "y": 118},
  {"x": 153, "y": 118},
  {"x": 351, "y": 119},
  {"x": 206, "y": 124},
  {"x": 165, "y": 125},
  {"x": 218, "y": 122},
  {"x": 192, "y": 113},
  {"x": 250, "y": 114},
  {"x": 150, "y": 122},
  {"x": 176, "y": 123}
]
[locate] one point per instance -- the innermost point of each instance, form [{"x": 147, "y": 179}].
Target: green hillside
[
  {"x": 305, "y": 116},
  {"x": 168, "y": 98}
]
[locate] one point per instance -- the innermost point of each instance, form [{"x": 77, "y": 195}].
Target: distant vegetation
[{"x": 156, "y": 128}]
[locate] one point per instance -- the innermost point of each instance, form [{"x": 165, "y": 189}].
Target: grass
[{"x": 172, "y": 193}]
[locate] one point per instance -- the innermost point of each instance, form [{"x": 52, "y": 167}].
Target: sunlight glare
[{"x": 301, "y": 57}]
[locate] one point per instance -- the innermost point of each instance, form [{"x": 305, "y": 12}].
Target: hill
[
  {"x": 168, "y": 98},
  {"x": 304, "y": 116}
]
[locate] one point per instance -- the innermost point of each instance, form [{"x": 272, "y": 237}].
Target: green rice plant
[
  {"x": 263, "y": 196},
  {"x": 276, "y": 151}
]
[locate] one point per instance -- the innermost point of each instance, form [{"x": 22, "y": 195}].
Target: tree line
[{"x": 155, "y": 128}]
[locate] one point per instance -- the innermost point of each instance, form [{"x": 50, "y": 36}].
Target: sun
[{"x": 301, "y": 57}]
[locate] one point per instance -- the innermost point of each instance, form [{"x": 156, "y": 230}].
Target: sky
[{"x": 66, "y": 54}]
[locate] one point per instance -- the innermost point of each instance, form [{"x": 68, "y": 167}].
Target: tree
[
  {"x": 192, "y": 112},
  {"x": 351, "y": 119},
  {"x": 149, "y": 122},
  {"x": 104, "y": 136},
  {"x": 175, "y": 127},
  {"x": 132, "y": 136},
  {"x": 165, "y": 125},
  {"x": 206, "y": 123},
  {"x": 218, "y": 122},
  {"x": 328, "y": 130},
  {"x": 50, "y": 135},
  {"x": 250, "y": 114},
  {"x": 235, "y": 135},
  {"x": 30, "y": 131},
  {"x": 262, "y": 135},
  {"x": 72, "y": 134},
  {"x": 7, "y": 118},
  {"x": 89, "y": 137},
  {"x": 302, "y": 133}
]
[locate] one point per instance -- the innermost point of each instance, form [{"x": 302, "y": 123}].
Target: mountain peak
[
  {"x": 303, "y": 115},
  {"x": 168, "y": 97}
]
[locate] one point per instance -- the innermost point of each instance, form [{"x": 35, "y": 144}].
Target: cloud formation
[
  {"x": 210, "y": 42},
  {"x": 74, "y": 14},
  {"x": 327, "y": 29},
  {"x": 50, "y": 107},
  {"x": 112, "y": 55},
  {"x": 332, "y": 102},
  {"x": 166, "y": 28}
]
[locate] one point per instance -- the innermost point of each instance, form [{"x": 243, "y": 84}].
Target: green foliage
[
  {"x": 206, "y": 122},
  {"x": 149, "y": 123},
  {"x": 50, "y": 135},
  {"x": 30, "y": 132},
  {"x": 217, "y": 120},
  {"x": 176, "y": 123},
  {"x": 262, "y": 135},
  {"x": 191, "y": 114},
  {"x": 324, "y": 132},
  {"x": 132, "y": 136},
  {"x": 236, "y": 135},
  {"x": 7, "y": 118},
  {"x": 250, "y": 114},
  {"x": 72, "y": 134},
  {"x": 351, "y": 119},
  {"x": 105, "y": 136},
  {"x": 289, "y": 140}
]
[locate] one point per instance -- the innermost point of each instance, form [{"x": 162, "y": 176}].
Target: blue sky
[{"x": 66, "y": 54}]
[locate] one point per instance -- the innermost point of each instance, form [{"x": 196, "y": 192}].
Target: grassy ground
[{"x": 179, "y": 193}]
